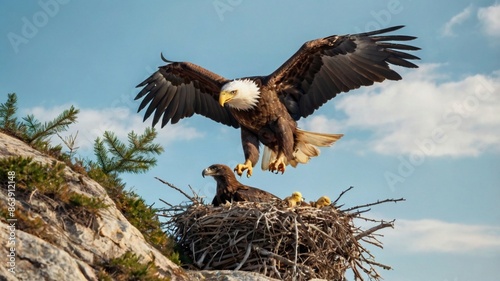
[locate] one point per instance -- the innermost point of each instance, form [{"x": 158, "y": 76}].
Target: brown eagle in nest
[
  {"x": 229, "y": 189},
  {"x": 266, "y": 108}
]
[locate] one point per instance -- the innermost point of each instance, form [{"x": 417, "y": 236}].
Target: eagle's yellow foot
[
  {"x": 277, "y": 166},
  {"x": 240, "y": 168}
]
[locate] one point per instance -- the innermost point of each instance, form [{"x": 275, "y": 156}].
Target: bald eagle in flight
[
  {"x": 267, "y": 108},
  {"x": 229, "y": 189}
]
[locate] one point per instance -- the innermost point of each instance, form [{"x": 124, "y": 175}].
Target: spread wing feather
[
  {"x": 181, "y": 89},
  {"x": 324, "y": 67}
]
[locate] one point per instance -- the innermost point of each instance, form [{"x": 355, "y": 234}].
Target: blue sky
[{"x": 432, "y": 138}]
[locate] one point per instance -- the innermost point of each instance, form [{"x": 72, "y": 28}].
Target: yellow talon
[
  {"x": 242, "y": 167},
  {"x": 277, "y": 166}
]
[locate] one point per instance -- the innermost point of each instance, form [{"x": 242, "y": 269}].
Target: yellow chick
[
  {"x": 323, "y": 201},
  {"x": 294, "y": 200}
]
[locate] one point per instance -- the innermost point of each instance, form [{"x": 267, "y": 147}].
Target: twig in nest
[
  {"x": 247, "y": 253},
  {"x": 194, "y": 200},
  {"x": 357, "y": 216},
  {"x": 341, "y": 194},
  {"x": 166, "y": 203},
  {"x": 198, "y": 198},
  {"x": 359, "y": 212},
  {"x": 386, "y": 267},
  {"x": 374, "y": 203},
  {"x": 275, "y": 256},
  {"x": 375, "y": 228}
]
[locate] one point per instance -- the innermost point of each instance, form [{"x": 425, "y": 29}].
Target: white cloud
[
  {"x": 321, "y": 124},
  {"x": 430, "y": 235},
  {"x": 456, "y": 20},
  {"x": 422, "y": 113},
  {"x": 489, "y": 17},
  {"x": 92, "y": 123}
]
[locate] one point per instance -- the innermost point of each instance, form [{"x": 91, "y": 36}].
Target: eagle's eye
[{"x": 233, "y": 92}]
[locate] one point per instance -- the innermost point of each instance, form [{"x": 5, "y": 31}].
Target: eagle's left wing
[
  {"x": 181, "y": 89},
  {"x": 324, "y": 67}
]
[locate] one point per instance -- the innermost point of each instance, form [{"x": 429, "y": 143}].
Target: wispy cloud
[
  {"x": 92, "y": 123},
  {"x": 430, "y": 235},
  {"x": 489, "y": 17},
  {"x": 421, "y": 112},
  {"x": 448, "y": 29}
]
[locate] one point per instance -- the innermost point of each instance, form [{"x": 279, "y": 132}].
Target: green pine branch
[
  {"x": 30, "y": 129},
  {"x": 36, "y": 132},
  {"x": 114, "y": 156}
]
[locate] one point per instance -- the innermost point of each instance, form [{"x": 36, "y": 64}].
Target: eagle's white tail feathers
[
  {"x": 267, "y": 155},
  {"x": 306, "y": 147},
  {"x": 303, "y": 153},
  {"x": 317, "y": 139}
]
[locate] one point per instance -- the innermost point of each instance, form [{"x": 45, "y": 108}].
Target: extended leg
[
  {"x": 250, "y": 143},
  {"x": 283, "y": 130}
]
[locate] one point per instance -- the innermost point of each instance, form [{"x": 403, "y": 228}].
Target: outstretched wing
[
  {"x": 324, "y": 67},
  {"x": 180, "y": 89}
]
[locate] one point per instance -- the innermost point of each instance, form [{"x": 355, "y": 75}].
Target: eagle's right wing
[{"x": 324, "y": 67}]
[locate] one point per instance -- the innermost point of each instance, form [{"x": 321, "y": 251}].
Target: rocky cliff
[{"x": 42, "y": 240}]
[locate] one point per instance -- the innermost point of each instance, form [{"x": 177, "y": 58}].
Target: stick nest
[{"x": 280, "y": 242}]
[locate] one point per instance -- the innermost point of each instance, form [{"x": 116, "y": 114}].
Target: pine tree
[{"x": 7, "y": 111}]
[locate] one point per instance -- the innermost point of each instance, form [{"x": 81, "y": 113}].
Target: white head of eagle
[{"x": 240, "y": 94}]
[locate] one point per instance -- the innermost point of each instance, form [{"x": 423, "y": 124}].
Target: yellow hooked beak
[{"x": 226, "y": 96}]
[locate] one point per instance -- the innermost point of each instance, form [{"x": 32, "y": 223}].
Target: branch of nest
[
  {"x": 194, "y": 199},
  {"x": 375, "y": 228},
  {"x": 372, "y": 204}
]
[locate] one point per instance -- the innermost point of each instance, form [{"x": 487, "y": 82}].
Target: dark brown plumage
[
  {"x": 229, "y": 189},
  {"x": 266, "y": 108}
]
